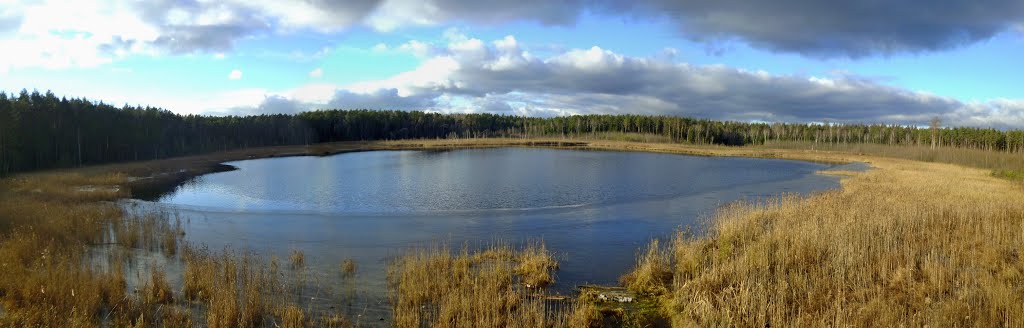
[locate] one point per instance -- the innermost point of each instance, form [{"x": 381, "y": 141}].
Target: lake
[{"x": 593, "y": 209}]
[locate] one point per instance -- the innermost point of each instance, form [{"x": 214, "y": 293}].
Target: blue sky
[{"x": 736, "y": 60}]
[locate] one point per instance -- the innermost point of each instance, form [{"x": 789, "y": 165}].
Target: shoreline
[
  {"x": 902, "y": 209},
  {"x": 169, "y": 172}
]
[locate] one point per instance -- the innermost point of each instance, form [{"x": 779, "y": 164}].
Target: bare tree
[{"x": 935, "y": 125}]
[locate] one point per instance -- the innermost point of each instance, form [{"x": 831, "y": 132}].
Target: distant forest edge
[{"x": 42, "y": 131}]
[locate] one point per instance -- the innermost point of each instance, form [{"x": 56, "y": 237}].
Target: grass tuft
[
  {"x": 348, "y": 268},
  {"x": 653, "y": 272},
  {"x": 297, "y": 260}
]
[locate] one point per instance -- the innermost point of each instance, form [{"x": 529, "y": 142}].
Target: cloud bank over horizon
[{"x": 470, "y": 75}]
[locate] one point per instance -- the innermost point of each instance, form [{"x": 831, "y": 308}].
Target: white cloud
[
  {"x": 432, "y": 74},
  {"x": 56, "y": 35},
  {"x": 235, "y": 75},
  {"x": 593, "y": 59},
  {"x": 417, "y": 48},
  {"x": 316, "y": 93},
  {"x": 316, "y": 73}
]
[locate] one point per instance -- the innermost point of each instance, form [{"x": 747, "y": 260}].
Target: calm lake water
[{"x": 593, "y": 209}]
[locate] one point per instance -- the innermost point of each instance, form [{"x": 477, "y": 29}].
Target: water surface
[{"x": 594, "y": 209}]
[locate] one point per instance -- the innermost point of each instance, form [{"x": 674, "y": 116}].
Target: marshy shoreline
[{"x": 923, "y": 229}]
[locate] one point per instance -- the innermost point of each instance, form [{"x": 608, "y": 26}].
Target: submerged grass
[
  {"x": 297, "y": 260},
  {"x": 348, "y": 268}
]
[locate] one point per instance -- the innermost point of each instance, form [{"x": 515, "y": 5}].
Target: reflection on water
[{"x": 594, "y": 209}]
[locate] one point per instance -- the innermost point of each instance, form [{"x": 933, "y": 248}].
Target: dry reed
[
  {"x": 434, "y": 287},
  {"x": 297, "y": 260},
  {"x": 653, "y": 272},
  {"x": 907, "y": 244},
  {"x": 65, "y": 246}
]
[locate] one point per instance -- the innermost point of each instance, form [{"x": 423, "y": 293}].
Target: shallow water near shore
[{"x": 593, "y": 209}]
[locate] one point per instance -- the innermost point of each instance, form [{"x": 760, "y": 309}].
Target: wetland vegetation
[{"x": 928, "y": 236}]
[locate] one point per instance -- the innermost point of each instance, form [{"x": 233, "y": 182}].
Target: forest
[{"x": 43, "y": 131}]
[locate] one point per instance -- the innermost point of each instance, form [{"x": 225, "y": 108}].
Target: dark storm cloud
[
  {"x": 852, "y": 28},
  {"x": 563, "y": 12}
]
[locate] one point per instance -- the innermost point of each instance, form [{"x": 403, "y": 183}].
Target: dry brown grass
[
  {"x": 47, "y": 277},
  {"x": 64, "y": 250},
  {"x": 157, "y": 290},
  {"x": 535, "y": 266},
  {"x": 238, "y": 290},
  {"x": 334, "y": 321},
  {"x": 993, "y": 160},
  {"x": 293, "y": 317},
  {"x": 585, "y": 314},
  {"x": 907, "y": 244},
  {"x": 434, "y": 287},
  {"x": 653, "y": 272},
  {"x": 51, "y": 271}
]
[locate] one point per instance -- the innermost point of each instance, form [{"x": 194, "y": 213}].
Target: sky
[{"x": 853, "y": 61}]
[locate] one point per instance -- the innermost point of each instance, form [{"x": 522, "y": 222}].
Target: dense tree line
[{"x": 39, "y": 131}]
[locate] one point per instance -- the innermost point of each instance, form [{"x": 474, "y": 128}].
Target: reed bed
[
  {"x": 907, "y": 244},
  {"x": 45, "y": 227},
  {"x": 68, "y": 254},
  {"x": 437, "y": 287},
  {"x": 1003, "y": 164}
]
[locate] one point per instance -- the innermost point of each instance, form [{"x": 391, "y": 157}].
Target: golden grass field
[
  {"x": 910, "y": 242},
  {"x": 906, "y": 244}
]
